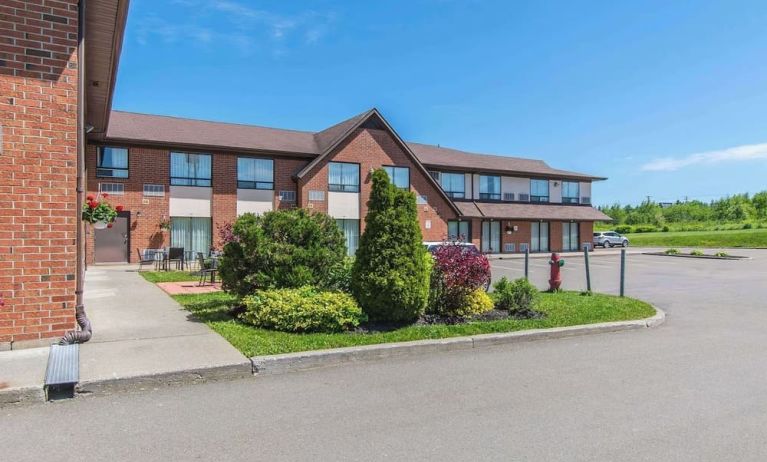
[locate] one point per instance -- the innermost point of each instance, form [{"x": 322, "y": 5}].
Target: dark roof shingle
[{"x": 530, "y": 211}]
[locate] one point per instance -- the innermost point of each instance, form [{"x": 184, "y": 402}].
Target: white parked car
[{"x": 609, "y": 239}]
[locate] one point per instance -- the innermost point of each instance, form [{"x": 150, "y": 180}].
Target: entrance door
[
  {"x": 570, "y": 236},
  {"x": 539, "y": 236},
  {"x": 111, "y": 244},
  {"x": 491, "y": 236}
]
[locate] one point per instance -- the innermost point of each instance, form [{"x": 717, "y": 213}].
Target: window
[
  {"x": 343, "y": 177},
  {"x": 154, "y": 190},
  {"x": 434, "y": 175},
  {"x": 189, "y": 169},
  {"x": 193, "y": 234},
  {"x": 539, "y": 190},
  {"x": 491, "y": 236},
  {"x": 288, "y": 196},
  {"x": 458, "y": 230},
  {"x": 255, "y": 173},
  {"x": 118, "y": 189},
  {"x": 351, "y": 232},
  {"x": 421, "y": 200},
  {"x": 317, "y": 196},
  {"x": 570, "y": 192},
  {"x": 570, "y": 236},
  {"x": 539, "y": 236},
  {"x": 399, "y": 176},
  {"x": 490, "y": 187},
  {"x": 454, "y": 185},
  {"x": 112, "y": 162}
]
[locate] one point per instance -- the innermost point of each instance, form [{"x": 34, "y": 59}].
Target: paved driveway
[{"x": 692, "y": 389}]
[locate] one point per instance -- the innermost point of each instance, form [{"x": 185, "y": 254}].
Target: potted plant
[
  {"x": 164, "y": 225},
  {"x": 98, "y": 212}
]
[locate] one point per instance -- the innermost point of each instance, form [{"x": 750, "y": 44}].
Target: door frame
[
  {"x": 548, "y": 236},
  {"x": 482, "y": 235},
  {"x": 124, "y": 214}
]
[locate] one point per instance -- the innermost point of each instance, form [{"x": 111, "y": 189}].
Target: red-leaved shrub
[{"x": 458, "y": 271}]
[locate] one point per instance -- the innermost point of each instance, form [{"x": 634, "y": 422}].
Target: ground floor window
[
  {"x": 458, "y": 231},
  {"x": 351, "y": 232},
  {"x": 570, "y": 236},
  {"x": 491, "y": 236},
  {"x": 539, "y": 236},
  {"x": 193, "y": 234}
]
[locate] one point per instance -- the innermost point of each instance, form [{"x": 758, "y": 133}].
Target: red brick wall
[
  {"x": 585, "y": 232},
  {"x": 521, "y": 236},
  {"x": 373, "y": 148},
  {"x": 38, "y": 216}
]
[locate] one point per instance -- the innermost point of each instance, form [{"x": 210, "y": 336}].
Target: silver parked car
[{"x": 609, "y": 239}]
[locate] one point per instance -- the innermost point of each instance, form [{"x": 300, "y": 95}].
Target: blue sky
[{"x": 667, "y": 99}]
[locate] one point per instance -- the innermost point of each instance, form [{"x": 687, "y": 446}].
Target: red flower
[
  {"x": 93, "y": 204},
  {"x": 109, "y": 225},
  {"x": 104, "y": 195},
  {"x": 89, "y": 197},
  {"x": 119, "y": 208}
]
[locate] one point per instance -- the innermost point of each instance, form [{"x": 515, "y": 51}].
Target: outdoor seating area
[{"x": 178, "y": 260}]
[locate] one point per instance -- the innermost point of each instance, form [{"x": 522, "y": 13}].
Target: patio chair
[
  {"x": 176, "y": 254},
  {"x": 146, "y": 257},
  {"x": 204, "y": 272}
]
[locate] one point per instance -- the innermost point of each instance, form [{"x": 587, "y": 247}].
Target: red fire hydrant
[{"x": 555, "y": 278}]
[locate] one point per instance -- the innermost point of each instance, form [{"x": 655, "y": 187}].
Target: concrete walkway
[{"x": 139, "y": 333}]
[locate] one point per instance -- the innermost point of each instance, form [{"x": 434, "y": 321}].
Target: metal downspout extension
[{"x": 86, "y": 331}]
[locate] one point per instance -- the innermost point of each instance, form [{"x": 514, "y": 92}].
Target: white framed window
[
  {"x": 288, "y": 196},
  {"x": 421, "y": 200},
  {"x": 112, "y": 162},
  {"x": 154, "y": 190},
  {"x": 318, "y": 196},
  {"x": 117, "y": 189}
]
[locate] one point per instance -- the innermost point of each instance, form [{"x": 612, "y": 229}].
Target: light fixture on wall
[{"x": 556, "y": 183}]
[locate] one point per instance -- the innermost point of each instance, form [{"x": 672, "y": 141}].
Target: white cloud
[{"x": 734, "y": 154}]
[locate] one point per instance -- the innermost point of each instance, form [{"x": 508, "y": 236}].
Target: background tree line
[{"x": 740, "y": 209}]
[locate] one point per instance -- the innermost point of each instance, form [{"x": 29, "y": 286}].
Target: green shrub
[
  {"x": 722, "y": 254},
  {"x": 645, "y": 229},
  {"x": 516, "y": 296},
  {"x": 623, "y": 229},
  {"x": 340, "y": 277},
  {"x": 672, "y": 252},
  {"x": 665, "y": 229},
  {"x": 283, "y": 248},
  {"x": 697, "y": 253},
  {"x": 301, "y": 310},
  {"x": 748, "y": 226},
  {"x": 390, "y": 276},
  {"x": 474, "y": 304}
]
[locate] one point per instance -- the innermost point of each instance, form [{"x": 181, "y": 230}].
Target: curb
[
  {"x": 705, "y": 257},
  {"x": 290, "y": 362},
  {"x": 21, "y": 396}
]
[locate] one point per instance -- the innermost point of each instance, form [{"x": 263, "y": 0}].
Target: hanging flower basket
[{"x": 98, "y": 212}]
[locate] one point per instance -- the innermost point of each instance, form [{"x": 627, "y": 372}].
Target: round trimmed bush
[
  {"x": 516, "y": 296},
  {"x": 474, "y": 304},
  {"x": 305, "y": 309}
]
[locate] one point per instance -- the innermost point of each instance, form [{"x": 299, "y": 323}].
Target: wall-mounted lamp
[
  {"x": 138, "y": 214},
  {"x": 556, "y": 183},
  {"x": 89, "y": 128}
]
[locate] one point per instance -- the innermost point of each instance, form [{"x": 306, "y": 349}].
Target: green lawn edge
[
  {"x": 750, "y": 238},
  {"x": 169, "y": 276},
  {"x": 562, "y": 309}
]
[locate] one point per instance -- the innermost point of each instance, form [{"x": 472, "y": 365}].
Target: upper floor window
[
  {"x": 255, "y": 173},
  {"x": 539, "y": 190},
  {"x": 399, "y": 176},
  {"x": 343, "y": 177},
  {"x": 454, "y": 185},
  {"x": 189, "y": 169},
  {"x": 112, "y": 162},
  {"x": 490, "y": 187},
  {"x": 571, "y": 192}
]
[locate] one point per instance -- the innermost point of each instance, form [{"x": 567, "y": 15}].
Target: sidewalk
[{"x": 139, "y": 334}]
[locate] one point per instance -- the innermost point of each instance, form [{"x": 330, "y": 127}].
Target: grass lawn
[
  {"x": 169, "y": 276},
  {"x": 562, "y": 309},
  {"x": 716, "y": 239}
]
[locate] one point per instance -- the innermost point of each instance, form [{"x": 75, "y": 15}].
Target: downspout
[{"x": 85, "y": 332}]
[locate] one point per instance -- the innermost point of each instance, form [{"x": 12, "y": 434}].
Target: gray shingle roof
[
  {"x": 174, "y": 131},
  {"x": 530, "y": 211}
]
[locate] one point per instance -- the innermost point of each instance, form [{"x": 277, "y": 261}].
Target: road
[{"x": 692, "y": 389}]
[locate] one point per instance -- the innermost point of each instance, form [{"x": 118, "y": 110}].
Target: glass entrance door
[
  {"x": 570, "y": 236},
  {"x": 491, "y": 236},
  {"x": 539, "y": 236}
]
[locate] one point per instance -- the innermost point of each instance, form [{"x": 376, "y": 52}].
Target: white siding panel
[
  {"x": 256, "y": 201},
  {"x": 190, "y": 201},
  {"x": 467, "y": 184},
  {"x": 586, "y": 190},
  {"x": 516, "y": 185},
  {"x": 344, "y": 205},
  {"x": 555, "y": 191}
]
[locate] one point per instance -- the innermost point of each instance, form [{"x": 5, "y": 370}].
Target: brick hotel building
[{"x": 60, "y": 140}]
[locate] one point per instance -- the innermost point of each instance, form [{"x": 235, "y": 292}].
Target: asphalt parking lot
[{"x": 694, "y": 388}]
